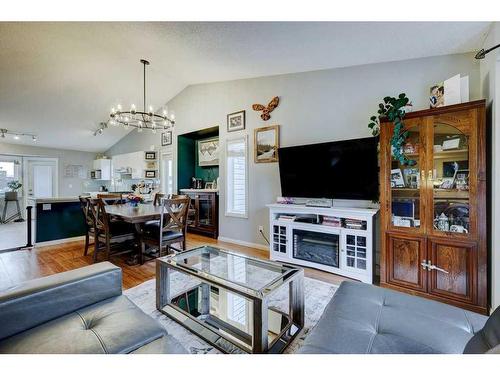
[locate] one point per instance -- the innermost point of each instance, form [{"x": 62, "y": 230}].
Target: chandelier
[{"x": 141, "y": 119}]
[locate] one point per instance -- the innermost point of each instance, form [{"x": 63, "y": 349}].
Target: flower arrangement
[{"x": 134, "y": 200}]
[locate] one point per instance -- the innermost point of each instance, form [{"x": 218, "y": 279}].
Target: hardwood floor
[{"x": 23, "y": 265}]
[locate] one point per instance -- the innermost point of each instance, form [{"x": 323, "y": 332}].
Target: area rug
[{"x": 317, "y": 296}]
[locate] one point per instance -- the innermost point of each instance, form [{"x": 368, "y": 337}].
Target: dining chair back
[
  {"x": 109, "y": 199},
  {"x": 89, "y": 221},
  {"x": 176, "y": 218},
  {"x": 157, "y": 199}
]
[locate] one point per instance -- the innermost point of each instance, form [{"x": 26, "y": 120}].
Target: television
[{"x": 334, "y": 170}]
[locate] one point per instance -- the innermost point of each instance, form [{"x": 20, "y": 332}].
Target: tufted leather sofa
[
  {"x": 79, "y": 311},
  {"x": 363, "y": 318}
]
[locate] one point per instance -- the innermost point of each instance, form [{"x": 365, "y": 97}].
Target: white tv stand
[{"x": 341, "y": 250}]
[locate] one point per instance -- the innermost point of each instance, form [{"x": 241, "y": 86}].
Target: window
[
  {"x": 10, "y": 170},
  {"x": 166, "y": 173},
  {"x": 237, "y": 177}
]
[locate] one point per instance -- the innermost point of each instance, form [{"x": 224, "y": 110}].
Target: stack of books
[
  {"x": 354, "y": 224},
  {"x": 332, "y": 221}
]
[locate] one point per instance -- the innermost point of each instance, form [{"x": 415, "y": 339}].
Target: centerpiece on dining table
[{"x": 134, "y": 199}]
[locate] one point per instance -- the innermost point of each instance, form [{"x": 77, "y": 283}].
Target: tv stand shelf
[{"x": 339, "y": 240}]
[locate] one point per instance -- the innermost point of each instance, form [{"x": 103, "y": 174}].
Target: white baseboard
[
  {"x": 244, "y": 243},
  {"x": 58, "y": 242}
]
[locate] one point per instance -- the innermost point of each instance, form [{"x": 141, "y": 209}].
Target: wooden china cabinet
[{"x": 433, "y": 213}]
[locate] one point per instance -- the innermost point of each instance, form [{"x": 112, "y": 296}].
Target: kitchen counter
[
  {"x": 35, "y": 201},
  {"x": 199, "y": 190}
]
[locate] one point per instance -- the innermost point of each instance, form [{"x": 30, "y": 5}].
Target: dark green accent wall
[
  {"x": 186, "y": 161},
  {"x": 63, "y": 220},
  {"x": 187, "y": 156}
]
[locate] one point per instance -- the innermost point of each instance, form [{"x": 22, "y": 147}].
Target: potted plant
[
  {"x": 394, "y": 109},
  {"x": 14, "y": 186}
]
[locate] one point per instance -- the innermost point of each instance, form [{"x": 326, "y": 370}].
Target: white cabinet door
[{"x": 355, "y": 256}]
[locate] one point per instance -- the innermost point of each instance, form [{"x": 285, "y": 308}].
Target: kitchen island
[{"x": 57, "y": 219}]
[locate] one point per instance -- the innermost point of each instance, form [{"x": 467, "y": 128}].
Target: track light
[
  {"x": 16, "y": 135},
  {"x": 481, "y": 54}
]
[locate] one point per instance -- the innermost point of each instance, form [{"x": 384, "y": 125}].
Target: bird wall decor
[{"x": 266, "y": 110}]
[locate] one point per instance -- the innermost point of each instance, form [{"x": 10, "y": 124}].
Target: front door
[{"x": 41, "y": 178}]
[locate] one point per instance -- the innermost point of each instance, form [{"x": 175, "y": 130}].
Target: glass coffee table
[{"x": 236, "y": 303}]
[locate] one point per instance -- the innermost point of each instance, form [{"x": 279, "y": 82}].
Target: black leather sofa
[
  {"x": 79, "y": 311},
  {"x": 362, "y": 319}
]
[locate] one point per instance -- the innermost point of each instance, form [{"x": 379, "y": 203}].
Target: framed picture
[
  {"x": 166, "y": 138},
  {"x": 236, "y": 121},
  {"x": 150, "y": 155},
  {"x": 209, "y": 185},
  {"x": 397, "y": 180},
  {"x": 150, "y": 174},
  {"x": 266, "y": 144},
  {"x": 208, "y": 152}
]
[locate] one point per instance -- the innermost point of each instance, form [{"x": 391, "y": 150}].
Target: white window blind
[{"x": 237, "y": 177}]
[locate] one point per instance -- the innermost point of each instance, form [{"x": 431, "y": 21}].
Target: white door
[
  {"x": 42, "y": 178},
  {"x": 166, "y": 173}
]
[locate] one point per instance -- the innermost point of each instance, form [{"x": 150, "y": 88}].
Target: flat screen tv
[{"x": 335, "y": 170}]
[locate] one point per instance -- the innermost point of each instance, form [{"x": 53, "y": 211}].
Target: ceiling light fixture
[
  {"x": 145, "y": 119},
  {"x": 101, "y": 128},
  {"x": 16, "y": 135},
  {"x": 481, "y": 54}
]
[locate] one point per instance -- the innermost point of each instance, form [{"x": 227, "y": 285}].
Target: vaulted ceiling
[{"x": 59, "y": 80}]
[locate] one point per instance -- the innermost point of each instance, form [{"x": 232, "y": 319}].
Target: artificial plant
[
  {"x": 393, "y": 109},
  {"x": 14, "y": 185}
]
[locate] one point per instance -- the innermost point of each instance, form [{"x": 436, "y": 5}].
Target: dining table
[{"x": 138, "y": 215}]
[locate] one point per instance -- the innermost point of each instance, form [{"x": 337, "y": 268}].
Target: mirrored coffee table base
[{"x": 222, "y": 302}]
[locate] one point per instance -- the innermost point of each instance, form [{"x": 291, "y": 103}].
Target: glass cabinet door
[
  {"x": 205, "y": 208},
  {"x": 449, "y": 177},
  {"x": 406, "y": 187}
]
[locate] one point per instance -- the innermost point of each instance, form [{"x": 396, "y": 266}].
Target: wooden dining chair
[
  {"x": 157, "y": 199},
  {"x": 109, "y": 199},
  {"x": 109, "y": 234},
  {"x": 89, "y": 222},
  {"x": 170, "y": 229}
]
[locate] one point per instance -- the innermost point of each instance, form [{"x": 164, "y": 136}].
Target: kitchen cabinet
[{"x": 103, "y": 165}]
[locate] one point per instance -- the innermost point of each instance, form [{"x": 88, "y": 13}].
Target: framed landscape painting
[{"x": 266, "y": 144}]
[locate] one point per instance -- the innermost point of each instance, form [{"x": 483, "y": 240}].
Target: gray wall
[
  {"x": 314, "y": 107},
  {"x": 490, "y": 89},
  {"x": 68, "y": 187}
]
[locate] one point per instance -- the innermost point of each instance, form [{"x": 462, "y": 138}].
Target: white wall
[
  {"x": 314, "y": 107},
  {"x": 490, "y": 89}
]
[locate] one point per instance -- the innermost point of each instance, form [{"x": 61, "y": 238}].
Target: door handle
[
  {"x": 433, "y": 267},
  {"x": 425, "y": 265}
]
